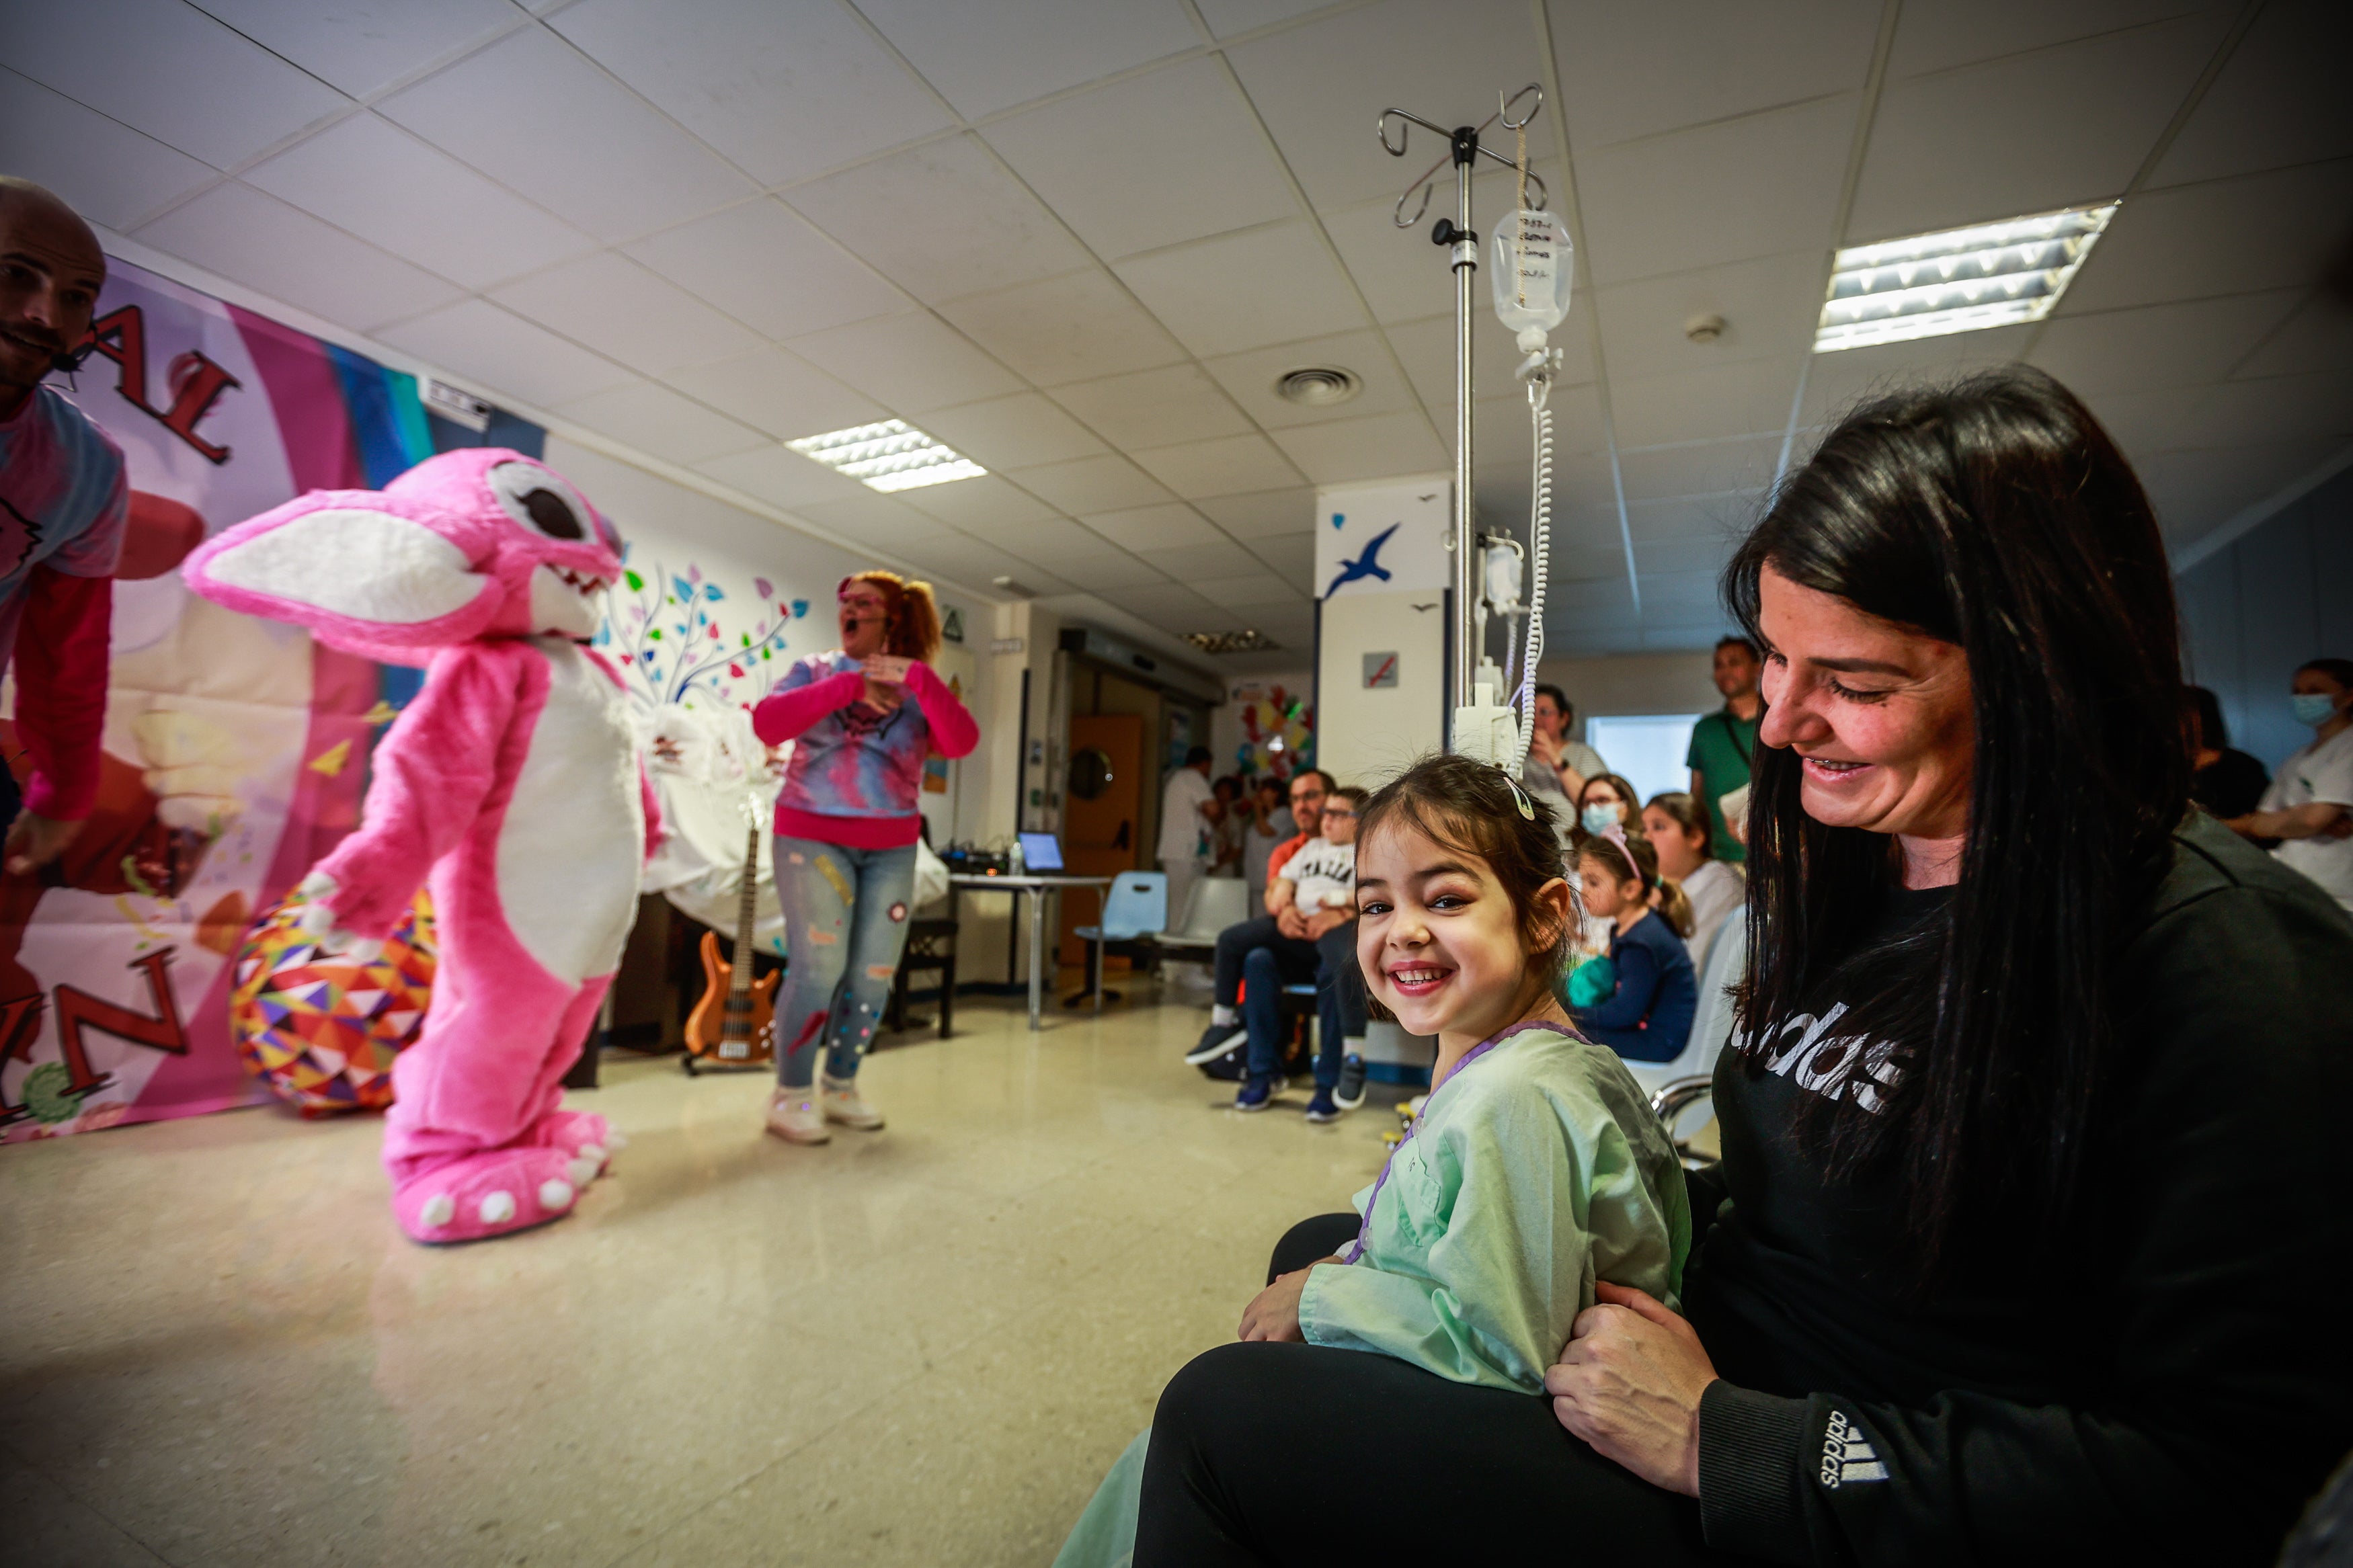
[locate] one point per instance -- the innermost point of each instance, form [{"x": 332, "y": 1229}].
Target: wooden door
[{"x": 1102, "y": 831}]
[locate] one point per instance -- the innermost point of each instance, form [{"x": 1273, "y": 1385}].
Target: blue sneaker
[
  {"x": 1255, "y": 1094},
  {"x": 1321, "y": 1108}
]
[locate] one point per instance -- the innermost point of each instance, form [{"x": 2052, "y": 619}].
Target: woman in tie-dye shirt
[{"x": 864, "y": 717}]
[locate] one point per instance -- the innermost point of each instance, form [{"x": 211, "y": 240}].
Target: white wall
[{"x": 1635, "y": 683}]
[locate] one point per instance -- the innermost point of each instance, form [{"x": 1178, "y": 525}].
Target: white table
[{"x": 1037, "y": 885}]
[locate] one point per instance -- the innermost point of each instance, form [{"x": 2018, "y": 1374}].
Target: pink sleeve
[
  {"x": 433, "y": 771},
  {"x": 785, "y": 715},
  {"x": 953, "y": 730},
  {"x": 61, "y": 667}
]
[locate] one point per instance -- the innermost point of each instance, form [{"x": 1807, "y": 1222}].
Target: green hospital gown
[{"x": 1535, "y": 1170}]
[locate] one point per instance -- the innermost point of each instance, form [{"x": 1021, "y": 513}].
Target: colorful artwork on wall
[
  {"x": 1278, "y": 729},
  {"x": 685, "y": 638}
]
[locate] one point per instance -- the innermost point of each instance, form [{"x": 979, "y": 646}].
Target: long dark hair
[{"x": 1997, "y": 515}]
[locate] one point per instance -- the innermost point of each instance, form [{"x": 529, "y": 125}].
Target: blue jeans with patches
[{"x": 845, "y": 927}]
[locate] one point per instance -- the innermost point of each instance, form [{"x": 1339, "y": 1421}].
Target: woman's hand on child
[
  {"x": 1273, "y": 1313},
  {"x": 1629, "y": 1383}
]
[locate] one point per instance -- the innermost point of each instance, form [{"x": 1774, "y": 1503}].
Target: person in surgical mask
[
  {"x": 1608, "y": 801},
  {"x": 2309, "y": 807}
]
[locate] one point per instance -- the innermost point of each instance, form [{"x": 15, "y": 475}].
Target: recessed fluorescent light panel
[
  {"x": 892, "y": 456},
  {"x": 1959, "y": 280}
]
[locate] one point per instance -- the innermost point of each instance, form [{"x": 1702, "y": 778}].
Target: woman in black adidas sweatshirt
[{"x": 2031, "y": 1244}]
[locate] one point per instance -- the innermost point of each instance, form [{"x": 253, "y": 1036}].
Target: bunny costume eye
[{"x": 541, "y": 502}]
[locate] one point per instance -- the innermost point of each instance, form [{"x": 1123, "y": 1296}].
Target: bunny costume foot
[
  {"x": 488, "y": 1195},
  {"x": 510, "y": 782}
]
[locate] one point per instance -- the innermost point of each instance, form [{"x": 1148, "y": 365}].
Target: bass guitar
[{"x": 732, "y": 1025}]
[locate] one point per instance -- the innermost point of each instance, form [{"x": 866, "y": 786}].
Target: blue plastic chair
[{"x": 1135, "y": 911}]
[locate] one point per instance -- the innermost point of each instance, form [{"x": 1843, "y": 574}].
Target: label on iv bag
[{"x": 1533, "y": 268}]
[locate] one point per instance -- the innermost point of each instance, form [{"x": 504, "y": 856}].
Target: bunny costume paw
[{"x": 486, "y": 1195}]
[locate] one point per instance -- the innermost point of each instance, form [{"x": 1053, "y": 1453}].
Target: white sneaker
[
  {"x": 843, "y": 1103},
  {"x": 795, "y": 1116}
]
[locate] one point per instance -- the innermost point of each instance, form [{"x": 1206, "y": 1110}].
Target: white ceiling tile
[
  {"x": 1769, "y": 308},
  {"x": 2144, "y": 423},
  {"x": 104, "y": 170},
  {"x": 1635, "y": 70},
  {"x": 1262, "y": 513},
  {"x": 169, "y": 70},
  {"x": 1713, "y": 518},
  {"x": 287, "y": 253},
  {"x": 2320, "y": 336},
  {"x": 1175, "y": 607},
  {"x": 1101, "y": 569},
  {"x": 1016, "y": 432},
  {"x": 2160, "y": 346},
  {"x": 364, "y": 46},
  {"x": 1293, "y": 555},
  {"x": 1702, "y": 467},
  {"x": 2025, "y": 134},
  {"x": 1046, "y": 540},
  {"x": 1426, "y": 348},
  {"x": 1762, "y": 185},
  {"x": 1149, "y": 161},
  {"x": 1060, "y": 330},
  {"x": 656, "y": 419},
  {"x": 786, "y": 89},
  {"x": 618, "y": 308},
  {"x": 1194, "y": 563},
  {"x": 987, "y": 58},
  {"x": 1245, "y": 290},
  {"x": 971, "y": 562},
  {"x": 1249, "y": 591},
  {"x": 532, "y": 114},
  {"x": 1228, "y": 17},
  {"x": 1363, "y": 448},
  {"x": 1747, "y": 398},
  {"x": 1155, "y": 407},
  {"x": 912, "y": 362},
  {"x": 376, "y": 181},
  {"x": 1669, "y": 564},
  {"x": 781, "y": 477},
  {"x": 763, "y": 265},
  {"x": 1937, "y": 35},
  {"x": 1320, "y": 85},
  {"x": 2196, "y": 492},
  {"x": 2272, "y": 230},
  {"x": 505, "y": 353},
  {"x": 1251, "y": 377},
  {"x": 2277, "y": 102},
  {"x": 975, "y": 227},
  {"x": 1835, "y": 382},
  {"x": 882, "y": 521},
  {"x": 1153, "y": 527},
  {"x": 778, "y": 391},
  {"x": 2314, "y": 407},
  {"x": 1231, "y": 465},
  {"x": 1091, "y": 484},
  {"x": 977, "y": 504}
]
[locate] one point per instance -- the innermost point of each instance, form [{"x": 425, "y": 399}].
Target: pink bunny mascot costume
[{"x": 510, "y": 779}]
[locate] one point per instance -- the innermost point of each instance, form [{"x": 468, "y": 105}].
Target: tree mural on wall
[{"x": 680, "y": 636}]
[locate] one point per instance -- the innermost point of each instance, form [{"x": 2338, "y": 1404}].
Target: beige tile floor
[{"x": 919, "y": 1346}]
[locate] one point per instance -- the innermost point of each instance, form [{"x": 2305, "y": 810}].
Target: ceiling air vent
[
  {"x": 1318, "y": 386},
  {"x": 1231, "y": 642}
]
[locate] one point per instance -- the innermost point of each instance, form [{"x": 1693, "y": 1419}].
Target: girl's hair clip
[{"x": 1527, "y": 806}]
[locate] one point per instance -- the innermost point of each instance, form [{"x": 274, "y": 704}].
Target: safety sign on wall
[{"x": 1380, "y": 671}]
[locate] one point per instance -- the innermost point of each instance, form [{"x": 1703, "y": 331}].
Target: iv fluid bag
[{"x": 1533, "y": 265}]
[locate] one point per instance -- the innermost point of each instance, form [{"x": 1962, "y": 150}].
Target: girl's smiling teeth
[{"x": 1417, "y": 979}]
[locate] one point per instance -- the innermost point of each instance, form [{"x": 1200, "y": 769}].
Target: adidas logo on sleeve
[{"x": 1847, "y": 1453}]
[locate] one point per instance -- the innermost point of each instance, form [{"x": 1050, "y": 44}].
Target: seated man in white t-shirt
[
  {"x": 1319, "y": 880},
  {"x": 2309, "y": 807}
]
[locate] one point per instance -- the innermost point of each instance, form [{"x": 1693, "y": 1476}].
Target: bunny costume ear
[{"x": 382, "y": 576}]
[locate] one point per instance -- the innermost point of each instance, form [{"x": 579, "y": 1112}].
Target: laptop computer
[{"x": 1040, "y": 852}]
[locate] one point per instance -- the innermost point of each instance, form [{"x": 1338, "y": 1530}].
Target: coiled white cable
[{"x": 1539, "y": 553}]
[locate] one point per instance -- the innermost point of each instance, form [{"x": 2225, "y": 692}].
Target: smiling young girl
[
  {"x": 1535, "y": 1171},
  {"x": 1646, "y": 1014}
]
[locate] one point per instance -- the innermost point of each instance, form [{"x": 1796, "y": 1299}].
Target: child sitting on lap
[{"x": 1536, "y": 1168}]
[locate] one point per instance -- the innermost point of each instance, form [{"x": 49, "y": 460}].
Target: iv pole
[{"x": 1464, "y": 152}]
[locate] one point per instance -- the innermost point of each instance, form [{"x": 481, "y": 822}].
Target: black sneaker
[
  {"x": 1232, "y": 1067},
  {"x": 1351, "y": 1093},
  {"x": 1215, "y": 1041}
]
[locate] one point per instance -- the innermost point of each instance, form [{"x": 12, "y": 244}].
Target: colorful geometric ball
[{"x": 320, "y": 1030}]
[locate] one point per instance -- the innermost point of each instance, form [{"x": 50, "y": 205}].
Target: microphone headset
[{"x": 73, "y": 359}]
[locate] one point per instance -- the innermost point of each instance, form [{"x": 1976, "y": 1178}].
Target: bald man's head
[{"x": 51, "y": 270}]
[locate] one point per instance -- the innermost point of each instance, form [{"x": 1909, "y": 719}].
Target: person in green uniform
[
  {"x": 1724, "y": 743},
  {"x": 1537, "y": 1181}
]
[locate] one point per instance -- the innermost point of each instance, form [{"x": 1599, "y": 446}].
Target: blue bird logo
[{"x": 1364, "y": 566}]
